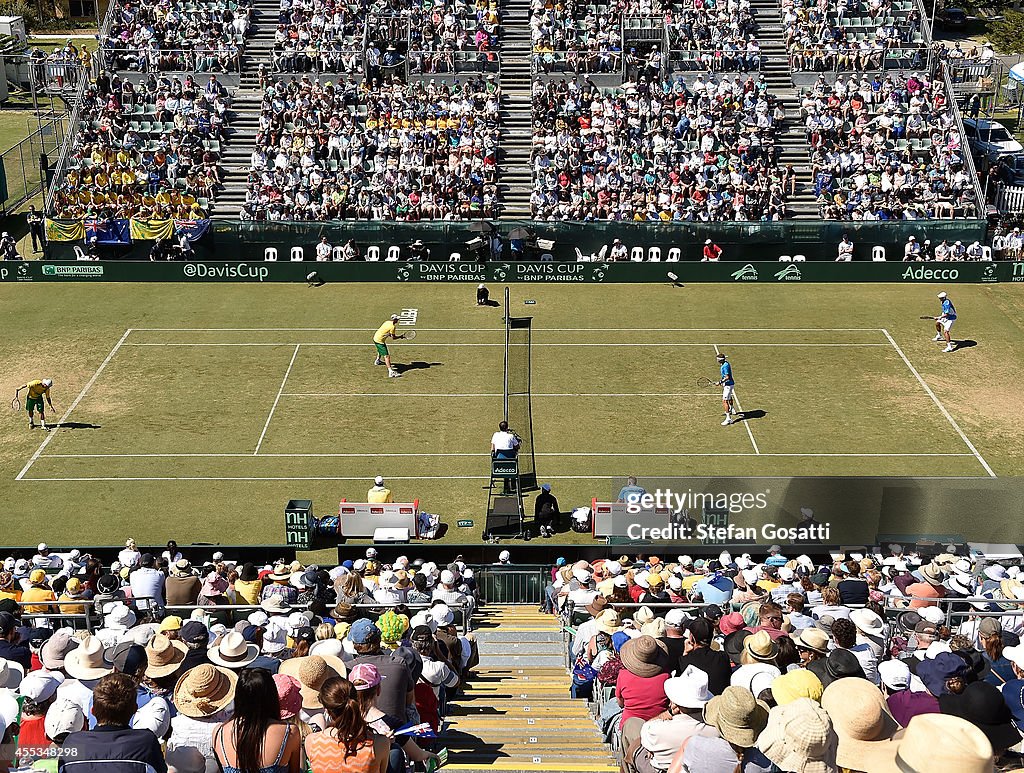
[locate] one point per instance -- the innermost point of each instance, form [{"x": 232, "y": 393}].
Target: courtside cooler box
[{"x": 298, "y": 523}]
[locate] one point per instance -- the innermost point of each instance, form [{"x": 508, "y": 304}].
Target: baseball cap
[
  {"x": 895, "y": 674},
  {"x": 39, "y": 686},
  {"x": 42, "y": 546},
  {"x": 546, "y": 487},
  {"x": 194, "y": 632},
  {"x": 63, "y": 717},
  {"x": 363, "y": 631},
  {"x": 379, "y": 480},
  {"x": 364, "y": 676},
  {"x": 7, "y": 622}
]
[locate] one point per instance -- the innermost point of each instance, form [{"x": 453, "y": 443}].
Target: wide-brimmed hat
[
  {"x": 760, "y": 647},
  {"x": 289, "y": 695},
  {"x": 597, "y": 606},
  {"x": 862, "y": 722},
  {"x": 119, "y": 617},
  {"x": 940, "y": 742},
  {"x": 934, "y": 671},
  {"x": 275, "y": 605},
  {"x": 839, "y": 664},
  {"x": 798, "y": 683},
  {"x": 756, "y": 677},
  {"x": 982, "y": 704},
  {"x": 233, "y": 651},
  {"x": 204, "y": 690},
  {"x": 11, "y": 674},
  {"x": 280, "y": 573},
  {"x": 164, "y": 656},
  {"x": 931, "y": 573},
  {"x": 813, "y": 639},
  {"x": 689, "y": 689},
  {"x": 739, "y": 717},
  {"x": 56, "y": 649},
  {"x": 867, "y": 622},
  {"x": 644, "y": 656},
  {"x": 311, "y": 671},
  {"x": 608, "y": 621},
  {"x": 87, "y": 661},
  {"x": 181, "y": 568},
  {"x": 799, "y": 738}
]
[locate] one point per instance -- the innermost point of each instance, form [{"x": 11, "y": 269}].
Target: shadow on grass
[
  {"x": 418, "y": 365},
  {"x": 77, "y": 425},
  {"x": 751, "y": 415}
]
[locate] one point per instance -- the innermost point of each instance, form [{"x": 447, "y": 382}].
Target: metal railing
[
  {"x": 979, "y": 196},
  {"x": 23, "y": 165},
  {"x": 517, "y": 585},
  {"x": 71, "y": 131},
  {"x": 179, "y": 60}
]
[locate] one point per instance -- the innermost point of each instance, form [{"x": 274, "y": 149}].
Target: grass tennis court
[{"x": 203, "y": 408}]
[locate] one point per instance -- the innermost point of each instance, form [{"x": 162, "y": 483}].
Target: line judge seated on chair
[
  {"x": 504, "y": 444},
  {"x": 379, "y": 494}
]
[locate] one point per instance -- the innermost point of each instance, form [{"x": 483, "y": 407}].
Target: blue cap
[
  {"x": 560, "y": 561},
  {"x": 347, "y": 564},
  {"x": 362, "y": 631},
  {"x": 546, "y": 487}
]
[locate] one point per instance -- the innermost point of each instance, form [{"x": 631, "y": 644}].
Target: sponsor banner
[{"x": 515, "y": 272}]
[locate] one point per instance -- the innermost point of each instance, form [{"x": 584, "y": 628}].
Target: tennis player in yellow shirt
[
  {"x": 380, "y": 341},
  {"x": 37, "y": 390}
]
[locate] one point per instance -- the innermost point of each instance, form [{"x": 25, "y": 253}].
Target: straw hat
[
  {"x": 275, "y": 605},
  {"x": 931, "y": 574},
  {"x": 813, "y": 639},
  {"x": 87, "y": 662},
  {"x": 867, "y": 622},
  {"x": 204, "y": 690},
  {"x": 738, "y": 716},
  {"x": 311, "y": 671},
  {"x": 233, "y": 651},
  {"x": 799, "y": 738},
  {"x": 608, "y": 621},
  {"x": 644, "y": 656},
  {"x": 940, "y": 743},
  {"x": 164, "y": 656},
  {"x": 861, "y": 720},
  {"x": 760, "y": 647}
]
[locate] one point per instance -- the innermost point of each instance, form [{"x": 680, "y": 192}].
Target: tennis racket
[
  {"x": 925, "y": 316},
  {"x": 15, "y": 404},
  {"x": 408, "y": 336},
  {"x": 705, "y": 382}
]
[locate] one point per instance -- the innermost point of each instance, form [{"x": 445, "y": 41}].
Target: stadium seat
[
  {"x": 799, "y": 258},
  {"x": 455, "y": 256},
  {"x": 393, "y": 252},
  {"x": 637, "y": 255},
  {"x": 297, "y": 254},
  {"x": 674, "y": 255},
  {"x": 270, "y": 253},
  {"x": 373, "y": 254},
  {"x": 999, "y": 243},
  {"x": 80, "y": 253},
  {"x": 986, "y": 253},
  {"x": 878, "y": 253},
  {"x": 338, "y": 253},
  {"x": 785, "y": 259},
  {"x": 547, "y": 257},
  {"x": 654, "y": 254}
]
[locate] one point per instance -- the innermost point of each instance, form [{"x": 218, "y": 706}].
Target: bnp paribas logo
[
  {"x": 746, "y": 274},
  {"x": 789, "y": 274}
]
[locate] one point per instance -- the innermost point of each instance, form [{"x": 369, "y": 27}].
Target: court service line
[
  {"x": 746, "y": 424},
  {"x": 493, "y": 344},
  {"x": 939, "y": 405},
  {"x": 438, "y": 477},
  {"x": 386, "y": 454},
  {"x": 277, "y": 399},
  {"x": 74, "y": 404},
  {"x": 498, "y": 394},
  {"x": 502, "y": 330}
]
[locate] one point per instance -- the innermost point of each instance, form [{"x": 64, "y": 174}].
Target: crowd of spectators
[
  {"x": 886, "y": 148},
  {"x": 851, "y": 35},
  {"x": 178, "y": 36},
  {"x": 281, "y": 667},
  {"x": 150, "y": 149},
  {"x": 675, "y": 150},
  {"x": 362, "y": 151},
  {"x": 868, "y": 663}
]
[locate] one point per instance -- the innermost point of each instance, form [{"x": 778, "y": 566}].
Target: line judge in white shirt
[{"x": 504, "y": 444}]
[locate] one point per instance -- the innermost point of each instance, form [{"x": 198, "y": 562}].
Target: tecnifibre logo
[
  {"x": 746, "y": 274},
  {"x": 789, "y": 274}
]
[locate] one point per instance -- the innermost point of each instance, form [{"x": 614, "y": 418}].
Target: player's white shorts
[
  {"x": 727, "y": 392},
  {"x": 946, "y": 324}
]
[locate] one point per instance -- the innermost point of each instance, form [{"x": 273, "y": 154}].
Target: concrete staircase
[
  {"x": 246, "y": 108},
  {"x": 516, "y": 715},
  {"x": 791, "y": 143},
  {"x": 516, "y": 114}
]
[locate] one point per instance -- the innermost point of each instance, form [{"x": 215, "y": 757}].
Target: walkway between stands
[{"x": 516, "y": 715}]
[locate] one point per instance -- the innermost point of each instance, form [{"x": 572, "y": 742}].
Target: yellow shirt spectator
[{"x": 39, "y": 592}]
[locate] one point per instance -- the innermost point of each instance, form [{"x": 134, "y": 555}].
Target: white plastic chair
[
  {"x": 393, "y": 252},
  {"x": 547, "y": 257},
  {"x": 80, "y": 253},
  {"x": 654, "y": 254},
  {"x": 999, "y": 243},
  {"x": 455, "y": 256},
  {"x": 986, "y": 253},
  {"x": 270, "y": 253},
  {"x": 785, "y": 259},
  {"x": 674, "y": 254},
  {"x": 373, "y": 254},
  {"x": 799, "y": 258},
  {"x": 637, "y": 255},
  {"x": 878, "y": 253},
  {"x": 296, "y": 254},
  {"x": 338, "y": 253}
]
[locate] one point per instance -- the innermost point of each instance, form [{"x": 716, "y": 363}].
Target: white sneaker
[
  {"x": 378, "y": 361},
  {"x": 394, "y": 374},
  {"x": 732, "y": 411},
  {"x": 727, "y": 422},
  {"x": 949, "y": 348},
  {"x": 937, "y": 338}
]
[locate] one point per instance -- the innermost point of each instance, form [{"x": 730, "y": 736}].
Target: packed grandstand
[
  {"x": 636, "y": 111},
  {"x": 170, "y": 658}
]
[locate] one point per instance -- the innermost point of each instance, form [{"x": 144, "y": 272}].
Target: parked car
[
  {"x": 951, "y": 18},
  {"x": 990, "y": 139},
  {"x": 1011, "y": 170}
]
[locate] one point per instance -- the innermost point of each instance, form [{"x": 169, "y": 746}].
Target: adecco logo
[
  {"x": 746, "y": 274},
  {"x": 923, "y": 274},
  {"x": 789, "y": 274}
]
